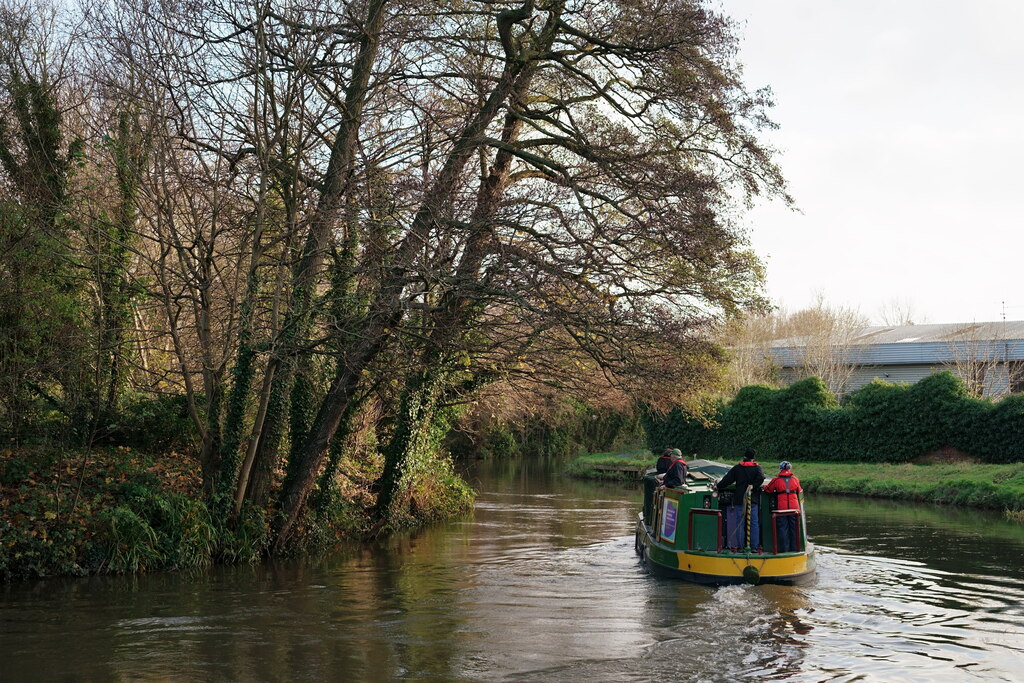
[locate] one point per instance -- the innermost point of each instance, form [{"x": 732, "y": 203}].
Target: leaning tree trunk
[
  {"x": 386, "y": 311},
  {"x": 322, "y": 223}
]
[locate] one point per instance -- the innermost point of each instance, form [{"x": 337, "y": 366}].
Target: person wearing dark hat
[
  {"x": 785, "y": 487},
  {"x": 746, "y": 473},
  {"x": 665, "y": 461},
  {"x": 676, "y": 474}
]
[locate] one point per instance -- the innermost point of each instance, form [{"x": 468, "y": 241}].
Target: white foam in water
[{"x": 735, "y": 594}]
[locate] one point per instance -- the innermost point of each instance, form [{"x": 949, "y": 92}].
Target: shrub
[
  {"x": 156, "y": 425},
  {"x": 997, "y": 432},
  {"x": 880, "y": 422},
  {"x": 130, "y": 541}
]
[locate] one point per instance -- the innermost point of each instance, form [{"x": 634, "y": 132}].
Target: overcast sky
[{"x": 902, "y": 136}]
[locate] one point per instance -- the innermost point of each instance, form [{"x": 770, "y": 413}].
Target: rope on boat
[
  {"x": 746, "y": 512},
  {"x": 750, "y": 573}
]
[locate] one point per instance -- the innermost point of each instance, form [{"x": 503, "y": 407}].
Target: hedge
[{"x": 880, "y": 422}]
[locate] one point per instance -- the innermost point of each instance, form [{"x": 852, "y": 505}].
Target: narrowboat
[{"x": 682, "y": 533}]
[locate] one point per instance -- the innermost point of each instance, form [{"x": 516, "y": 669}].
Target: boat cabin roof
[
  {"x": 701, "y": 474},
  {"x": 707, "y": 469}
]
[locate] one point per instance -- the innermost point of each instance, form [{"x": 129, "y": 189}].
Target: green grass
[
  {"x": 583, "y": 466},
  {"x": 999, "y": 487},
  {"x": 967, "y": 484}
]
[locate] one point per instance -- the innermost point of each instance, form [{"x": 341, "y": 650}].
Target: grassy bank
[
  {"x": 599, "y": 465},
  {"x": 113, "y": 510},
  {"x": 998, "y": 487},
  {"x": 968, "y": 484},
  {"x": 118, "y": 510}
]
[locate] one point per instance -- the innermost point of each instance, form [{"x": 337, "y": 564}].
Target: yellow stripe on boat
[
  {"x": 734, "y": 565},
  {"x": 681, "y": 532}
]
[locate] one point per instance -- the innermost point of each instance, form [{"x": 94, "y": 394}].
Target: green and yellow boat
[{"x": 681, "y": 533}]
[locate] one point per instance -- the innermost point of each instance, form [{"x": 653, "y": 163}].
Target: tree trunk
[
  {"x": 386, "y": 311},
  {"x": 323, "y": 221}
]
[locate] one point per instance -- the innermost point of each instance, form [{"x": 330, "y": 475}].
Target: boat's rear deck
[{"x": 685, "y": 533}]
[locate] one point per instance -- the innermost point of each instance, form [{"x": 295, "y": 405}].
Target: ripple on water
[{"x": 542, "y": 584}]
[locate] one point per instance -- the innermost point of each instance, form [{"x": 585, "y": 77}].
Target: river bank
[
  {"x": 63, "y": 513},
  {"x": 542, "y": 584},
  {"x": 611, "y": 466},
  {"x": 121, "y": 511},
  {"x": 969, "y": 484}
]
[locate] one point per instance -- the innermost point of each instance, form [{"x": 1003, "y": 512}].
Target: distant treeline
[
  {"x": 881, "y": 422},
  {"x": 579, "y": 429}
]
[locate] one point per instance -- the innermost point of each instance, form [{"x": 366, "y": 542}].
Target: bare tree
[
  {"x": 978, "y": 356},
  {"x": 749, "y": 342},
  {"x": 897, "y": 311},
  {"x": 819, "y": 340}
]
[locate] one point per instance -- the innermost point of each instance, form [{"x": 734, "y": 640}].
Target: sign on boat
[{"x": 682, "y": 533}]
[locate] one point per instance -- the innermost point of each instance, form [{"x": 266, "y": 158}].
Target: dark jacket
[
  {"x": 663, "y": 463},
  {"x": 676, "y": 474},
  {"x": 746, "y": 472},
  {"x": 787, "y": 486}
]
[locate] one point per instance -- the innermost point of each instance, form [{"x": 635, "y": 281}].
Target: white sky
[{"x": 902, "y": 132}]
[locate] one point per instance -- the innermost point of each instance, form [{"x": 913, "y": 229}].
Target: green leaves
[{"x": 880, "y": 422}]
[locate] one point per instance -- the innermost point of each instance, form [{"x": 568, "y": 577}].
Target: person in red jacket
[{"x": 786, "y": 487}]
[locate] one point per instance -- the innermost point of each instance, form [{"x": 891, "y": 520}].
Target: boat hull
[{"x": 724, "y": 568}]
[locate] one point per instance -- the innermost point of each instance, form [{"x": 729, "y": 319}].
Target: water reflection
[
  {"x": 946, "y": 538},
  {"x": 541, "y": 583},
  {"x": 913, "y": 592}
]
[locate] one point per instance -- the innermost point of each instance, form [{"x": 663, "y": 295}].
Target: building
[{"x": 988, "y": 356}]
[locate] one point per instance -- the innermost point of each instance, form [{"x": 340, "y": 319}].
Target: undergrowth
[
  {"x": 120, "y": 511},
  {"x": 111, "y": 511}
]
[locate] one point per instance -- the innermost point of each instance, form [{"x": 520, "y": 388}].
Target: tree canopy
[{"x": 299, "y": 216}]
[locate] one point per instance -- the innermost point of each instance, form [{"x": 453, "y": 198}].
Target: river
[{"x": 541, "y": 584}]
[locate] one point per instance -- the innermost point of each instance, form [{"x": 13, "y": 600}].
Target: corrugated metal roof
[
  {"x": 919, "y": 344},
  {"x": 999, "y": 330}
]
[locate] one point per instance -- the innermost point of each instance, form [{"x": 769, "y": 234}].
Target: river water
[{"x": 541, "y": 584}]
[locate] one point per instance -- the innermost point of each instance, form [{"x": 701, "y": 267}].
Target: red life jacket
[{"x": 787, "y": 486}]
